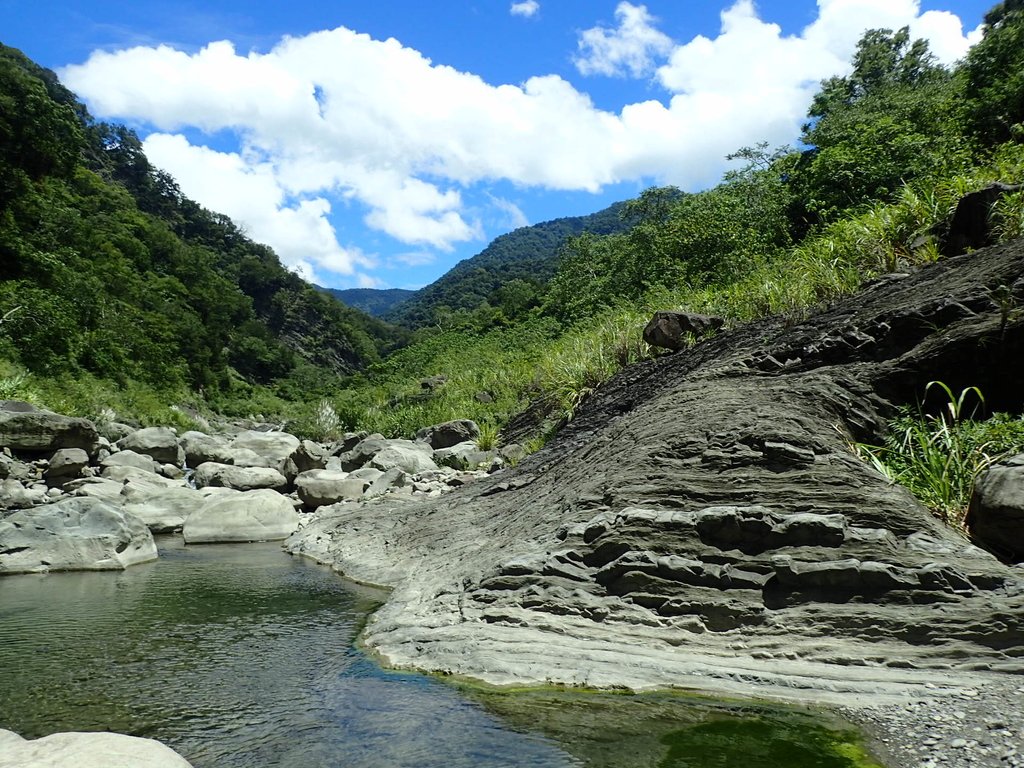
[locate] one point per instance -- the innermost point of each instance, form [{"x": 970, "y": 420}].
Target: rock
[
  {"x": 124, "y": 473},
  {"x": 465, "y": 456},
  {"x": 159, "y": 443},
  {"x": 77, "y": 533},
  {"x": 43, "y": 432},
  {"x": 238, "y": 478},
  {"x": 670, "y": 330},
  {"x": 357, "y": 456},
  {"x": 270, "y": 449},
  {"x": 448, "y": 434},
  {"x": 200, "y": 448},
  {"x": 307, "y": 456},
  {"x": 411, "y": 457},
  {"x": 261, "y": 515},
  {"x": 386, "y": 482},
  {"x": 433, "y": 383},
  {"x": 102, "y": 488},
  {"x": 320, "y": 487},
  {"x": 996, "y": 515},
  {"x": 66, "y": 464},
  {"x": 86, "y": 750},
  {"x": 971, "y": 226},
  {"x": 163, "y": 510},
  {"x": 348, "y": 441},
  {"x": 129, "y": 458},
  {"x": 14, "y": 495}
]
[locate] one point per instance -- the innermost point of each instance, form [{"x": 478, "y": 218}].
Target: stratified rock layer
[{"x": 704, "y": 520}]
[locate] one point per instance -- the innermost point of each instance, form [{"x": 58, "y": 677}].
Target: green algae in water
[{"x": 672, "y": 730}]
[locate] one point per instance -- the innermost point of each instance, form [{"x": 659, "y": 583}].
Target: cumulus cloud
[
  {"x": 527, "y": 8},
  {"x": 336, "y": 119},
  {"x": 628, "y": 49}
]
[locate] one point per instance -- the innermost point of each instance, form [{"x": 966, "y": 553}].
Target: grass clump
[{"x": 939, "y": 457}]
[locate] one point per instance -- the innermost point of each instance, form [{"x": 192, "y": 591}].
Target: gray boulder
[
  {"x": 160, "y": 443},
  {"x": 262, "y": 515},
  {"x": 123, "y": 474},
  {"x": 129, "y": 458},
  {"x": 263, "y": 449},
  {"x": 463, "y": 456},
  {"x": 86, "y": 750},
  {"x": 321, "y": 487},
  {"x": 102, "y": 488},
  {"x": 670, "y": 330},
  {"x": 14, "y": 495},
  {"x": 200, "y": 448},
  {"x": 307, "y": 456},
  {"x": 449, "y": 433},
  {"x": 75, "y": 533},
  {"x": 363, "y": 451},
  {"x": 386, "y": 482},
  {"x": 163, "y": 510},
  {"x": 38, "y": 431},
  {"x": 66, "y": 464},
  {"x": 238, "y": 478},
  {"x": 408, "y": 456},
  {"x": 996, "y": 515}
]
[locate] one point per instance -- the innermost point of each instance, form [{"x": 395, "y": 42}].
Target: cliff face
[{"x": 704, "y": 522}]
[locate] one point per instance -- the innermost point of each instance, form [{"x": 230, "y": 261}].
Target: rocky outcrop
[
  {"x": 996, "y": 514},
  {"x": 261, "y": 515},
  {"x": 676, "y": 330},
  {"x": 448, "y": 434},
  {"x": 86, "y": 750},
  {"x": 704, "y": 522},
  {"x": 43, "y": 432},
  {"x": 73, "y": 534}
]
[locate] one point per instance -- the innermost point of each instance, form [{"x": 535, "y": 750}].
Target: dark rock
[
  {"x": 449, "y": 434},
  {"x": 17, "y": 406},
  {"x": 66, "y": 464},
  {"x": 433, "y": 383},
  {"x": 971, "y": 226},
  {"x": 996, "y": 515},
  {"x": 671, "y": 330},
  {"x": 43, "y": 432}
]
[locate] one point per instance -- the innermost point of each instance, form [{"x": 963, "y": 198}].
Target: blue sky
[{"x": 376, "y": 144}]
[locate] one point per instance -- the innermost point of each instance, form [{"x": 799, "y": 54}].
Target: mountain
[
  {"x": 107, "y": 268},
  {"x": 373, "y": 301},
  {"x": 528, "y": 254}
]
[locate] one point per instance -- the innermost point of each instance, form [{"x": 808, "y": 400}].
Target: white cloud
[
  {"x": 629, "y": 49},
  {"x": 514, "y": 218},
  {"x": 336, "y": 118},
  {"x": 526, "y": 8}
]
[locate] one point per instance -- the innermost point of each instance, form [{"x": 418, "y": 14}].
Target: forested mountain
[
  {"x": 106, "y": 267},
  {"x": 373, "y": 301},
  {"x": 509, "y": 274}
]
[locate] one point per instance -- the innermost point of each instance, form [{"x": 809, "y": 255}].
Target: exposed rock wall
[{"x": 705, "y": 518}]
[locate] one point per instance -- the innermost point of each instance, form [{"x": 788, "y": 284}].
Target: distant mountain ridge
[
  {"x": 376, "y": 302},
  {"x": 528, "y": 253}
]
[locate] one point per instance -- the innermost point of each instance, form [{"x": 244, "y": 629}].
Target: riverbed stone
[
  {"x": 66, "y": 464},
  {"x": 43, "y": 432},
  {"x": 307, "y": 456},
  {"x": 251, "y": 448},
  {"x": 129, "y": 458},
  {"x": 200, "y": 447},
  {"x": 261, "y": 515},
  {"x": 75, "y": 533},
  {"x": 159, "y": 443},
  {"x": 409, "y": 456},
  {"x": 238, "y": 478},
  {"x": 163, "y": 510},
  {"x": 86, "y": 750},
  {"x": 449, "y": 433},
  {"x": 996, "y": 514},
  {"x": 320, "y": 487}
]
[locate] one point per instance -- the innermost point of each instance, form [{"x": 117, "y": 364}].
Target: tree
[{"x": 994, "y": 77}]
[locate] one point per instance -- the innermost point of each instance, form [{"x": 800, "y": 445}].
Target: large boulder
[
  {"x": 408, "y": 456},
  {"x": 321, "y": 487},
  {"x": 129, "y": 458},
  {"x": 14, "y": 495},
  {"x": 160, "y": 443},
  {"x": 449, "y": 433},
  {"x": 996, "y": 515},
  {"x": 971, "y": 226},
  {"x": 200, "y": 448},
  {"x": 262, "y": 515},
  {"x": 76, "y": 533},
  {"x": 307, "y": 456},
  {"x": 86, "y": 750},
  {"x": 66, "y": 464},
  {"x": 359, "y": 454},
  {"x": 672, "y": 330},
  {"x": 44, "y": 432},
  {"x": 263, "y": 449},
  {"x": 163, "y": 510},
  {"x": 238, "y": 478}
]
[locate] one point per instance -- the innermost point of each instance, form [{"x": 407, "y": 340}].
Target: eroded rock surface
[
  {"x": 86, "y": 750},
  {"x": 704, "y": 522}
]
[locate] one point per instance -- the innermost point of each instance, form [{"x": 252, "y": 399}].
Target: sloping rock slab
[
  {"x": 704, "y": 522},
  {"x": 86, "y": 750},
  {"x": 73, "y": 534},
  {"x": 262, "y": 515}
]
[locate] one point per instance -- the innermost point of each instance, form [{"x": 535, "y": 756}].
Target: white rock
[
  {"x": 238, "y": 478},
  {"x": 320, "y": 487},
  {"x": 86, "y": 750},
  {"x": 261, "y": 515},
  {"x": 75, "y": 533}
]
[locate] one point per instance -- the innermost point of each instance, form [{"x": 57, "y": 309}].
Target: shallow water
[{"x": 243, "y": 656}]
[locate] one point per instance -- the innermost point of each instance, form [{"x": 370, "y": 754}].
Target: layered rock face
[{"x": 705, "y": 517}]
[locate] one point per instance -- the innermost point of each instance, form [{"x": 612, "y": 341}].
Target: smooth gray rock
[
  {"x": 263, "y": 449},
  {"x": 996, "y": 514},
  {"x": 261, "y": 515},
  {"x": 15, "y": 495},
  {"x": 386, "y": 482},
  {"x": 408, "y": 456},
  {"x": 76, "y": 533},
  {"x": 125, "y": 473},
  {"x": 238, "y": 478},
  {"x": 86, "y": 750},
  {"x": 320, "y": 487},
  {"x": 200, "y": 448},
  {"x": 449, "y": 433},
  {"x": 159, "y": 443},
  {"x": 66, "y": 464},
  {"x": 307, "y": 456},
  {"x": 43, "y": 432},
  {"x": 163, "y": 510},
  {"x": 129, "y": 458},
  {"x": 357, "y": 456}
]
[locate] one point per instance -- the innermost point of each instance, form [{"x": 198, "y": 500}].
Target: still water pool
[{"x": 241, "y": 656}]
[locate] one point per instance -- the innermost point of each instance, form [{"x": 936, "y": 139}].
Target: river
[{"x": 242, "y": 656}]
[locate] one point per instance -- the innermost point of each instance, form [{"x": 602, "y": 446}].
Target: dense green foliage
[
  {"x": 373, "y": 301},
  {"x": 504, "y": 280},
  {"x": 107, "y": 269}
]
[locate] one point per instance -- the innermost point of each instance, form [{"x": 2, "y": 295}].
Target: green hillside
[{"x": 373, "y": 301}]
